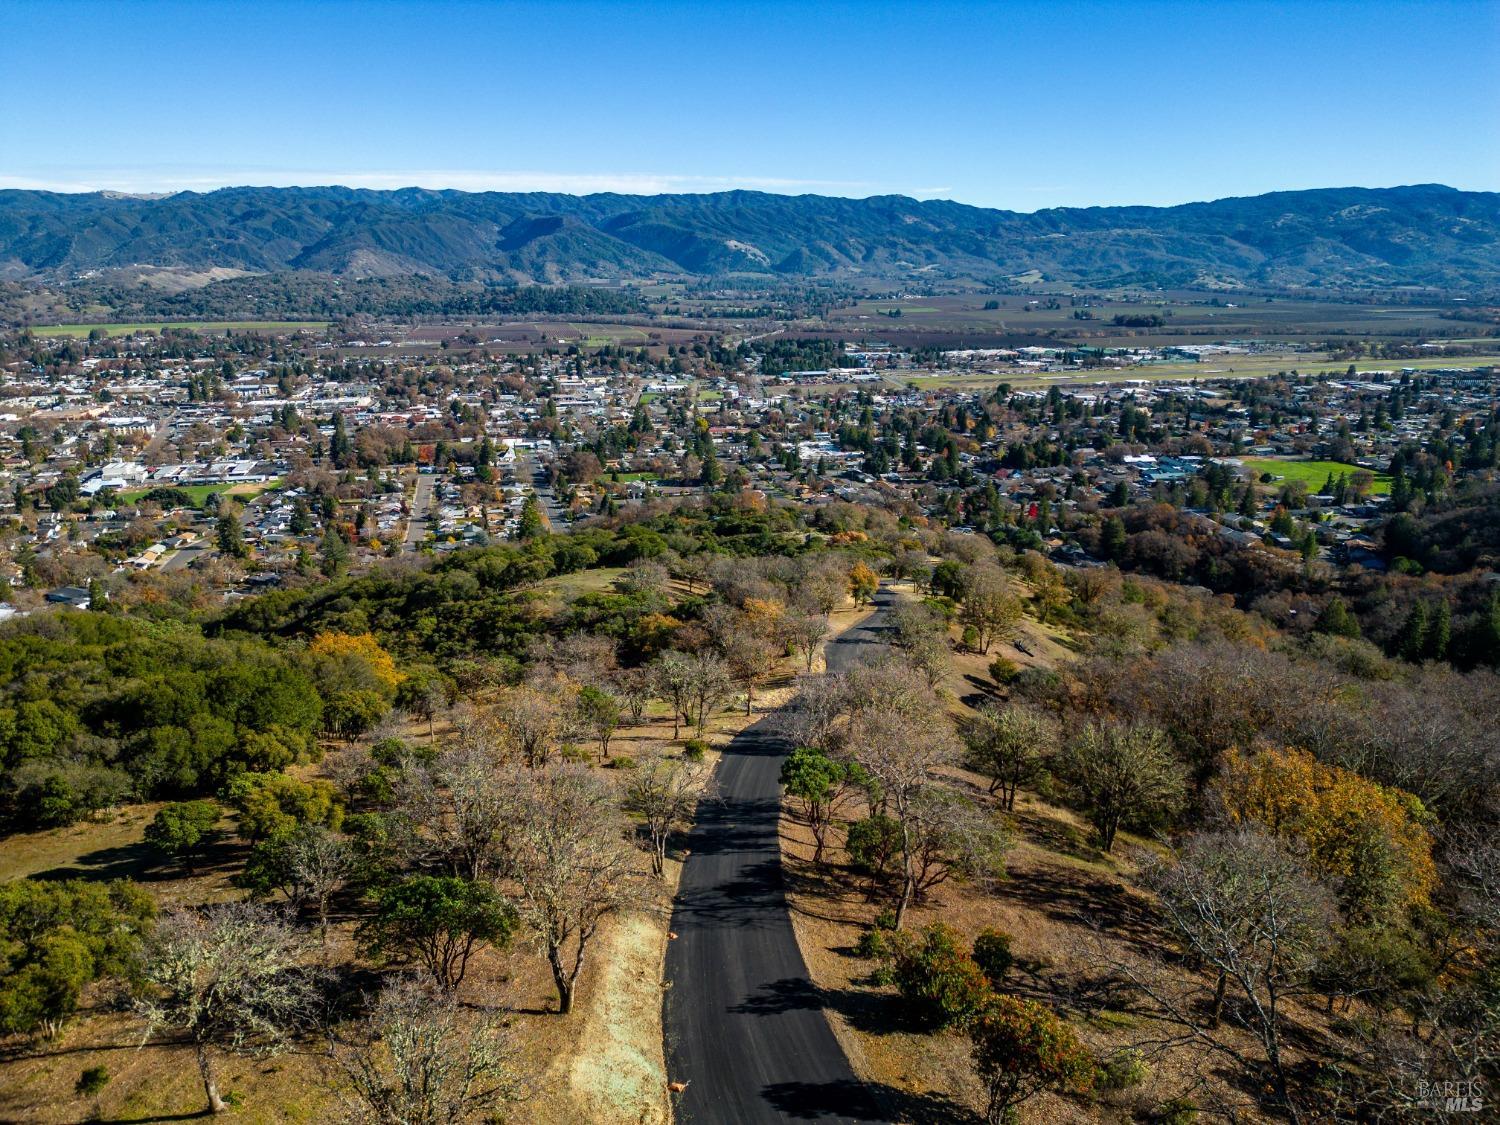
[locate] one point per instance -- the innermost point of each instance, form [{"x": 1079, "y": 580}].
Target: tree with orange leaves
[{"x": 1368, "y": 837}]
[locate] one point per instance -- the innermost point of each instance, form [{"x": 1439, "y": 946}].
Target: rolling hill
[{"x": 1426, "y": 235}]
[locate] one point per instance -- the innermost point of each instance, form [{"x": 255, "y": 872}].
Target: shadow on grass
[{"x": 146, "y": 864}]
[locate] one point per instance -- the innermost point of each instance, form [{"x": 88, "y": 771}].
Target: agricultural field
[
  {"x": 1312, "y": 473},
  {"x": 520, "y": 336},
  {"x": 1189, "y": 317},
  {"x": 1218, "y": 367},
  {"x": 82, "y": 331}
]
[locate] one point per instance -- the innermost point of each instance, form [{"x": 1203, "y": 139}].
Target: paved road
[
  {"x": 530, "y": 471},
  {"x": 421, "y": 502},
  {"x": 744, "y": 1025},
  {"x": 858, "y": 643}
]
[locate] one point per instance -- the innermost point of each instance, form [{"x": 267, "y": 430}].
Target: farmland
[
  {"x": 1088, "y": 319},
  {"x": 1218, "y": 367},
  {"x": 82, "y": 331}
]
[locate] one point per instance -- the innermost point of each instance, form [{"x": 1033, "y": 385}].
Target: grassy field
[
  {"x": 82, "y": 330},
  {"x": 201, "y": 492},
  {"x": 1314, "y": 473},
  {"x": 1227, "y": 367},
  {"x": 600, "y": 336}
]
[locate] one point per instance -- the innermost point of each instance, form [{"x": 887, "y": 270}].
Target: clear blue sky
[{"x": 1018, "y": 105}]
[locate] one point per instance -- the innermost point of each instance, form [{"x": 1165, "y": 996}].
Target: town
[{"x": 232, "y": 462}]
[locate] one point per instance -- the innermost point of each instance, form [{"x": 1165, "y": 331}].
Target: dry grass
[
  {"x": 603, "y": 1063},
  {"x": 1073, "y": 914}
]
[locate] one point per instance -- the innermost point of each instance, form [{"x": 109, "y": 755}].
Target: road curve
[{"x": 745, "y": 1027}]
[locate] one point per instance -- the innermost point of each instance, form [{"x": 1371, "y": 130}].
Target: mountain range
[{"x": 1425, "y": 235}]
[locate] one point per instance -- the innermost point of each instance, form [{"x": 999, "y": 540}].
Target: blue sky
[{"x": 1017, "y": 105}]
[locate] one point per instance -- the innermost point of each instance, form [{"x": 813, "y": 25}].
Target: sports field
[
  {"x": 1314, "y": 473},
  {"x": 199, "y": 493}
]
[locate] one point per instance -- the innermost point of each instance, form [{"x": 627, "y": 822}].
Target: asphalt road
[
  {"x": 421, "y": 503},
  {"x": 530, "y": 471},
  {"x": 745, "y": 1027}
]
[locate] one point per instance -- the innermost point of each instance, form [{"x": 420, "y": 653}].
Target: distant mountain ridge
[{"x": 1425, "y": 235}]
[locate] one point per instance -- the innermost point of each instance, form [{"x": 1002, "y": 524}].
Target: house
[{"x": 75, "y": 596}]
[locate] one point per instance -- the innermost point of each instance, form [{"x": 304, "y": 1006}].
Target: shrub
[
  {"x": 1020, "y": 1049},
  {"x": 620, "y": 762},
  {"x": 91, "y": 1081},
  {"x": 993, "y": 956},
  {"x": 1178, "y": 1111},
  {"x": 694, "y": 749},
  {"x": 875, "y": 943},
  {"x": 1123, "y": 1071},
  {"x": 1004, "y": 671},
  {"x": 572, "y": 752},
  {"x": 939, "y": 983},
  {"x": 872, "y": 845},
  {"x": 970, "y": 639}
]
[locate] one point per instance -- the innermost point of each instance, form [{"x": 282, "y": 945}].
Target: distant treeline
[{"x": 323, "y": 297}]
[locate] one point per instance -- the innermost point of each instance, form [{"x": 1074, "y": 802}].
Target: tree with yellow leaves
[
  {"x": 356, "y": 678},
  {"x": 1368, "y": 837},
  {"x": 344, "y": 661},
  {"x": 863, "y": 582}
]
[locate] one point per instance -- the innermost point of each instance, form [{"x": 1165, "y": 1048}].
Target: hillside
[{"x": 1426, "y": 235}]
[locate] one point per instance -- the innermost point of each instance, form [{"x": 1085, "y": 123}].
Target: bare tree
[
  {"x": 662, "y": 792},
  {"x": 321, "y": 862},
  {"x": 901, "y": 752},
  {"x": 951, "y": 834},
  {"x": 812, "y": 717},
  {"x": 417, "y": 1059},
  {"x": 807, "y": 632},
  {"x": 825, "y": 584},
  {"x": 455, "y": 807},
  {"x": 672, "y": 680},
  {"x": 227, "y": 978},
  {"x": 569, "y": 859},
  {"x": 709, "y": 685},
  {"x": 633, "y": 688},
  {"x": 533, "y": 719},
  {"x": 1011, "y": 746},
  {"x": 1244, "y": 907},
  {"x": 644, "y": 578},
  {"x": 749, "y": 657}
]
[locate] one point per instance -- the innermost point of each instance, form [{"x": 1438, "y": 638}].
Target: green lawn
[
  {"x": 201, "y": 492},
  {"x": 625, "y": 478},
  {"x": 1314, "y": 473},
  {"x": 81, "y": 330}
]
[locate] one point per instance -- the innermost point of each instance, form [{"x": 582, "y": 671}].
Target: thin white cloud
[{"x": 573, "y": 183}]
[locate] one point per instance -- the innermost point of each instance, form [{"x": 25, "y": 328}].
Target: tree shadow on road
[
  {"x": 864, "y": 1101},
  {"x": 865, "y": 1011}
]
